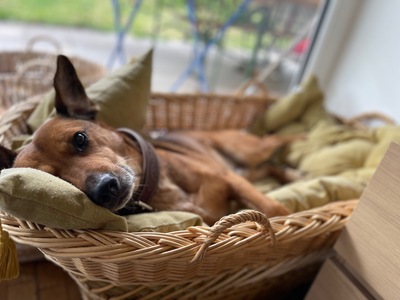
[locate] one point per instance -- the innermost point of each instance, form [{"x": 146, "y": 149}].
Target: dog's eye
[{"x": 80, "y": 140}]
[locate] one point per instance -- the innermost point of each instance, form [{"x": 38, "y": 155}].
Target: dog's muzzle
[
  {"x": 119, "y": 193},
  {"x": 109, "y": 190}
]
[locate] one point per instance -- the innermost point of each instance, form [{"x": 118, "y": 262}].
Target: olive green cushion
[
  {"x": 335, "y": 159},
  {"x": 37, "y": 196},
  {"x": 297, "y": 112},
  {"x": 304, "y": 195},
  {"x": 323, "y": 137},
  {"x": 383, "y": 136}
]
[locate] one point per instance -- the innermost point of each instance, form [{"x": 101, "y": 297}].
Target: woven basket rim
[
  {"x": 300, "y": 225},
  {"x": 195, "y": 253}
]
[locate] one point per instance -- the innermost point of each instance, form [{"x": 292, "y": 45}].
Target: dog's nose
[
  {"x": 109, "y": 184},
  {"x": 105, "y": 187}
]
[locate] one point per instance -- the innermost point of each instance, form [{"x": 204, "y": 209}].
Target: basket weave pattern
[
  {"x": 240, "y": 257},
  {"x": 150, "y": 265},
  {"x": 203, "y": 111}
]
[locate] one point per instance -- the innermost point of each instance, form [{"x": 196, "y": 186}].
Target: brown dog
[{"x": 117, "y": 168}]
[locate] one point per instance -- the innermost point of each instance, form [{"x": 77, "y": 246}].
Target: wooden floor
[{"x": 40, "y": 280}]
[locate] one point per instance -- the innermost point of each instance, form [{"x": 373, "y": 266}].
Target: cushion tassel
[{"x": 9, "y": 267}]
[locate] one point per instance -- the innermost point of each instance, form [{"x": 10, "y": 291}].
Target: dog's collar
[{"x": 150, "y": 175}]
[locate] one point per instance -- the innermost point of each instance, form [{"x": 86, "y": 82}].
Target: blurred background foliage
[{"x": 157, "y": 19}]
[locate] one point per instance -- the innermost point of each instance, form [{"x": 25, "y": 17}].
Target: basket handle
[
  {"x": 256, "y": 85},
  {"x": 358, "y": 120},
  {"x": 43, "y": 38},
  {"x": 372, "y": 116},
  {"x": 234, "y": 219},
  {"x": 47, "y": 66}
]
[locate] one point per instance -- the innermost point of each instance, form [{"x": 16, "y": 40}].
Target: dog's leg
[
  {"x": 245, "y": 192},
  {"x": 249, "y": 150},
  {"x": 209, "y": 199},
  {"x": 245, "y": 149},
  {"x": 283, "y": 174}
]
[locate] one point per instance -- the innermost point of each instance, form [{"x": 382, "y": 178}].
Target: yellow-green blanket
[{"x": 337, "y": 160}]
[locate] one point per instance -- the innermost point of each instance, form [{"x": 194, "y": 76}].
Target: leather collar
[{"x": 150, "y": 175}]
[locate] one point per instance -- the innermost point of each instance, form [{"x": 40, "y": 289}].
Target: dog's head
[{"x": 76, "y": 148}]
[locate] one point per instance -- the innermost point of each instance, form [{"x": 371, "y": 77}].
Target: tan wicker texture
[
  {"x": 203, "y": 111},
  {"x": 243, "y": 256},
  {"x": 238, "y": 254}
]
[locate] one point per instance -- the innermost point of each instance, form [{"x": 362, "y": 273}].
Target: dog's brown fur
[{"x": 194, "y": 176}]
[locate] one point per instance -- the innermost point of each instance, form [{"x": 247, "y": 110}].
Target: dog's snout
[{"x": 107, "y": 190}]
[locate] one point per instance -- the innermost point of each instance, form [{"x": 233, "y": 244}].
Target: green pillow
[
  {"x": 122, "y": 96},
  {"x": 308, "y": 194},
  {"x": 40, "y": 197},
  {"x": 36, "y": 196},
  {"x": 163, "y": 221},
  {"x": 303, "y": 107}
]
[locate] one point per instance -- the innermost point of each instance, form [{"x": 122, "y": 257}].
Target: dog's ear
[
  {"x": 7, "y": 157},
  {"x": 71, "y": 99}
]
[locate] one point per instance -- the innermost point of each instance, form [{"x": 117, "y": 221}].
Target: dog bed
[{"x": 244, "y": 255}]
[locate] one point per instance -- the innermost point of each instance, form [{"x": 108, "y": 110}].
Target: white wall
[{"x": 358, "y": 57}]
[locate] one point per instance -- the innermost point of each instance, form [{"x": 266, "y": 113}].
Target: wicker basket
[
  {"x": 203, "y": 111},
  {"x": 243, "y": 256},
  {"x": 27, "y": 73}
]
